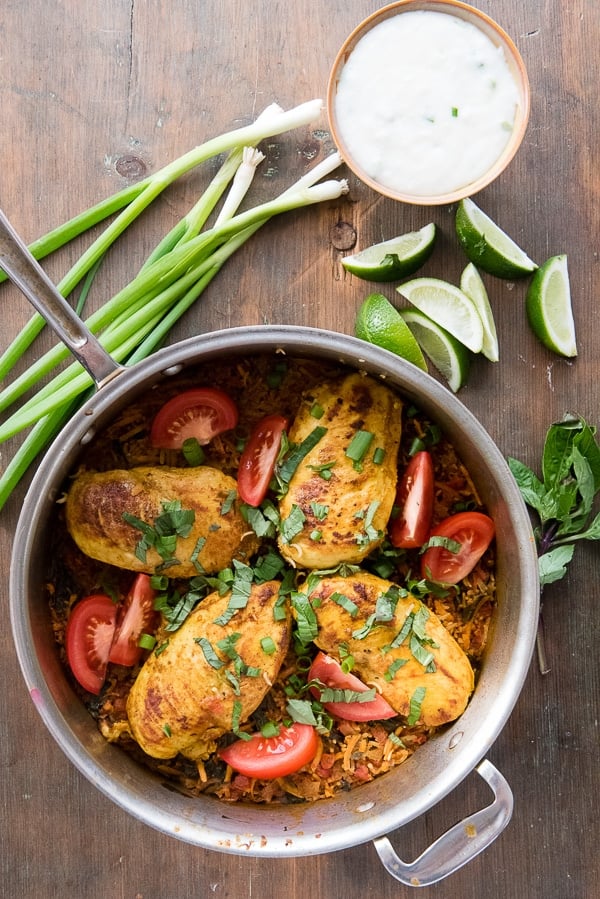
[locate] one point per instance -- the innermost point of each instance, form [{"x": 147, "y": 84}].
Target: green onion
[
  {"x": 378, "y": 455},
  {"x": 147, "y": 641},
  {"x": 137, "y": 320},
  {"x": 268, "y": 645},
  {"x": 193, "y": 453},
  {"x": 358, "y": 446},
  {"x": 317, "y": 411},
  {"x": 270, "y": 729}
]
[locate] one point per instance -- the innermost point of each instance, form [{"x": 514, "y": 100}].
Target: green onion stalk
[
  {"x": 134, "y": 199},
  {"x": 138, "y": 318}
]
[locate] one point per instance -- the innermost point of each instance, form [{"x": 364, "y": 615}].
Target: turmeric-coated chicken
[
  {"x": 98, "y": 501},
  {"x": 341, "y": 494},
  {"x": 210, "y": 676},
  {"x": 398, "y": 645}
]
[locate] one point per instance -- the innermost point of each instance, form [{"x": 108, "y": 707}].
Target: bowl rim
[{"x": 514, "y": 60}]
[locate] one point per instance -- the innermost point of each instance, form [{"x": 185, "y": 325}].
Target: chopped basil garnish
[
  {"x": 228, "y": 502},
  {"x": 292, "y": 525},
  {"x": 173, "y": 522},
  {"x": 209, "y": 654},
  {"x": 306, "y": 620},
  {"x": 324, "y": 470},
  {"x": 319, "y": 510},
  {"x": 416, "y": 701},
  {"x": 240, "y": 592},
  {"x": 395, "y": 666},
  {"x": 300, "y": 711},
  {"x": 345, "y": 602},
  {"x": 285, "y": 469}
]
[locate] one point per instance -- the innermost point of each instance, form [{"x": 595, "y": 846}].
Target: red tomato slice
[
  {"x": 474, "y": 531},
  {"x": 270, "y": 757},
  {"x": 329, "y": 672},
  {"x": 88, "y": 638},
  {"x": 136, "y": 617},
  {"x": 414, "y": 497},
  {"x": 258, "y": 459},
  {"x": 202, "y": 413}
]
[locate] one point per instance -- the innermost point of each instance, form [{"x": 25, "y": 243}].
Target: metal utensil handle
[
  {"x": 28, "y": 275},
  {"x": 458, "y": 845}
]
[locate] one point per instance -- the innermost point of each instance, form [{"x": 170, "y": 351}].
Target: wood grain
[{"x": 90, "y": 90}]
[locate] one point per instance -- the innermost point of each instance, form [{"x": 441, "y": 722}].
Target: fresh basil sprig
[
  {"x": 564, "y": 498},
  {"x": 562, "y": 502}
]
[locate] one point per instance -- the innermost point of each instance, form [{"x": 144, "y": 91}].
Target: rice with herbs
[{"x": 350, "y": 753}]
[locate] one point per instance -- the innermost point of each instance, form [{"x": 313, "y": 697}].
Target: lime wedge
[
  {"x": 448, "y": 306},
  {"x": 380, "y": 323},
  {"x": 549, "y": 309},
  {"x": 473, "y": 286},
  {"x": 487, "y": 246},
  {"x": 451, "y": 357},
  {"x": 393, "y": 259}
]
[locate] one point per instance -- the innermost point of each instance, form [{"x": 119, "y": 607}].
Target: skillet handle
[
  {"x": 31, "y": 279},
  {"x": 458, "y": 845}
]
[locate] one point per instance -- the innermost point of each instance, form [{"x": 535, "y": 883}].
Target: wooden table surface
[{"x": 95, "y": 93}]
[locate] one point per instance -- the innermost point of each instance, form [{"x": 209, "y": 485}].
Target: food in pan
[{"x": 320, "y": 650}]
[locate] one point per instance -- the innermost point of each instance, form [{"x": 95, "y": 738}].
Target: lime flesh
[
  {"x": 448, "y": 306},
  {"x": 549, "y": 307},
  {"x": 446, "y": 353}
]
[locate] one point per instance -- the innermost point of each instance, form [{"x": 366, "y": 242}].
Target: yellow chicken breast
[
  {"x": 399, "y": 646},
  {"x": 341, "y": 494},
  {"x": 98, "y": 501},
  {"x": 210, "y": 676}
]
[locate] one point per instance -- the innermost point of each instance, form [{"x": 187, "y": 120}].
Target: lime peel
[
  {"x": 487, "y": 245},
  {"x": 380, "y": 323},
  {"x": 549, "y": 307},
  {"x": 451, "y": 358},
  {"x": 395, "y": 258},
  {"x": 472, "y": 285}
]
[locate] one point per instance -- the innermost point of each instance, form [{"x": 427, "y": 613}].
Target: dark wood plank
[{"x": 89, "y": 89}]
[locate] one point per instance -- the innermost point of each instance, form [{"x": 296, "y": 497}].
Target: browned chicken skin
[
  {"x": 181, "y": 702},
  {"x": 449, "y": 683},
  {"x": 345, "y": 515},
  {"x": 97, "y": 501}
]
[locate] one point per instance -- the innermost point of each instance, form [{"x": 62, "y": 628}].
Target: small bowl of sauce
[{"x": 428, "y": 101}]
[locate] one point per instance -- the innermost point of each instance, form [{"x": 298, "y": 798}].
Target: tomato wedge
[
  {"x": 136, "y": 616},
  {"x": 474, "y": 532},
  {"x": 270, "y": 757},
  {"x": 202, "y": 412},
  {"x": 414, "y": 498},
  {"x": 88, "y": 639},
  {"x": 329, "y": 672},
  {"x": 258, "y": 459}
]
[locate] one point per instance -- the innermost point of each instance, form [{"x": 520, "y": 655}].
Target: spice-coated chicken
[
  {"x": 97, "y": 502},
  {"x": 370, "y": 616},
  {"x": 185, "y": 696},
  {"x": 338, "y": 505}
]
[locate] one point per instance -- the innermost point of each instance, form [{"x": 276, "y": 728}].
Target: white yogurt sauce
[{"x": 425, "y": 103}]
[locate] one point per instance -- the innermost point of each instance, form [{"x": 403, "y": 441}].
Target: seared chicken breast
[
  {"x": 397, "y": 643},
  {"x": 184, "y": 697},
  {"x": 98, "y": 501},
  {"x": 337, "y": 506}
]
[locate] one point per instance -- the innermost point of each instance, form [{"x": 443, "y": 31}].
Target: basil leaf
[
  {"x": 416, "y": 701},
  {"x": 553, "y": 564}
]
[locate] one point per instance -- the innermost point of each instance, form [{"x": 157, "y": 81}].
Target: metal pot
[{"x": 374, "y": 809}]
